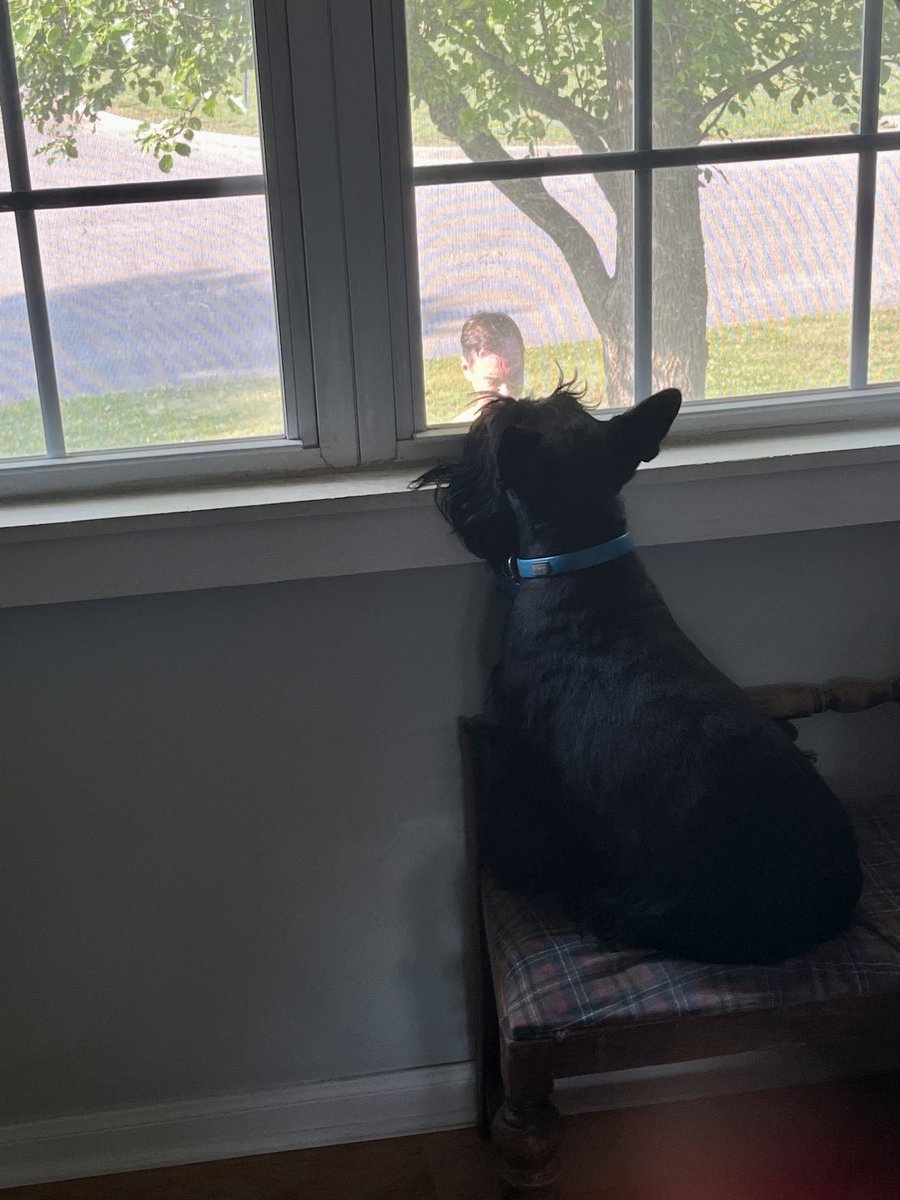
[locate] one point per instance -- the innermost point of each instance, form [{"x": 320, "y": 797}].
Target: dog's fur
[{"x": 642, "y": 788}]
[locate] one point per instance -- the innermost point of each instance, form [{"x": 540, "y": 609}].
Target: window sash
[
  {"x": 285, "y": 233},
  {"x": 645, "y": 159}
]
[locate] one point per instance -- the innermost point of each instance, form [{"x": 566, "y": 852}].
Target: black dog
[{"x": 642, "y": 788}]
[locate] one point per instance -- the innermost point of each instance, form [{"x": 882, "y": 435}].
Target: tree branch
[
  {"x": 446, "y": 107},
  {"x": 753, "y": 80},
  {"x": 748, "y": 82},
  {"x": 589, "y": 132}
]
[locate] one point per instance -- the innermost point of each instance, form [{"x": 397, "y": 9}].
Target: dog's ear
[
  {"x": 636, "y": 435},
  {"x": 471, "y": 497}
]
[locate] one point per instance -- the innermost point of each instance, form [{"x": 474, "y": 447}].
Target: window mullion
[
  {"x": 401, "y": 243},
  {"x": 29, "y": 246},
  {"x": 321, "y": 201},
  {"x": 361, "y": 168},
  {"x": 865, "y": 194},
  {"x": 704, "y": 153},
  {"x": 285, "y": 225},
  {"x": 643, "y": 199}
]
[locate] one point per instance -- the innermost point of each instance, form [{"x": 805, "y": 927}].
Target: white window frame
[{"x": 335, "y": 119}]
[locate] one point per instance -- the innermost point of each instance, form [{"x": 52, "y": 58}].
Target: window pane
[
  {"x": 21, "y": 431},
  {"x": 766, "y": 69},
  {"x": 889, "y": 100},
  {"x": 123, "y": 93},
  {"x": 479, "y": 252},
  {"x": 755, "y": 267},
  {"x": 163, "y": 322},
  {"x": 884, "y": 340},
  {"x": 537, "y": 77}
]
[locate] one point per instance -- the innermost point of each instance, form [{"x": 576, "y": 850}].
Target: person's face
[{"x": 501, "y": 372}]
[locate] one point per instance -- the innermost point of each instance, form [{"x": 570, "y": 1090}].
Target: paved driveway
[{"x": 167, "y": 294}]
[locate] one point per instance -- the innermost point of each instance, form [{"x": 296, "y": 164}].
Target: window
[
  {"x": 135, "y": 247},
  {"x": 139, "y": 299},
  {"x": 244, "y": 235},
  {"x": 681, "y": 193}
]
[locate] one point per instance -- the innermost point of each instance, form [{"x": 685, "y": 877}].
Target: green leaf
[
  {"x": 23, "y": 32},
  {"x": 79, "y": 50},
  {"x": 182, "y": 148},
  {"x": 166, "y": 163}
]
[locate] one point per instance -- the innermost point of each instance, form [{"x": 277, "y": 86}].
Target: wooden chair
[{"x": 555, "y": 1005}]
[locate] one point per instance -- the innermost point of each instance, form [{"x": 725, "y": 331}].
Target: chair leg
[
  {"x": 490, "y": 1082},
  {"x": 490, "y": 1089},
  {"x": 526, "y": 1134}
]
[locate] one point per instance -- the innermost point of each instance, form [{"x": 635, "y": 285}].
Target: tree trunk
[
  {"x": 614, "y": 314},
  {"x": 678, "y": 348},
  {"x": 680, "y": 293}
]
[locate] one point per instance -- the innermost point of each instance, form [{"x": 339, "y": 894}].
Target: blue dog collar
[{"x": 578, "y": 560}]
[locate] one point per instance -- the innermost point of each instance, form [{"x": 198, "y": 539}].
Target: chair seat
[{"x": 552, "y": 979}]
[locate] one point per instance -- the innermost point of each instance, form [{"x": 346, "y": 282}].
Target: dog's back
[{"x": 668, "y": 810}]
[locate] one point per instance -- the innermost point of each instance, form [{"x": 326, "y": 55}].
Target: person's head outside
[{"x": 493, "y": 354}]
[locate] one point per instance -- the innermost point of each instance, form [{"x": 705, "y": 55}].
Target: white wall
[{"x": 231, "y": 832}]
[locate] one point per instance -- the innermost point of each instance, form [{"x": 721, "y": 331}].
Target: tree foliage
[
  {"x": 76, "y": 57},
  {"x": 513, "y": 68}
]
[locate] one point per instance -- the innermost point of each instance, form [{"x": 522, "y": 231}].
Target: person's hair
[{"x": 489, "y": 333}]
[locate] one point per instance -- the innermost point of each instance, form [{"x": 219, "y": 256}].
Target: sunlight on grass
[
  {"x": 778, "y": 356},
  {"x": 163, "y": 416},
  {"x": 765, "y": 358},
  {"x": 743, "y": 360},
  {"x": 764, "y": 118},
  {"x": 884, "y": 347}
]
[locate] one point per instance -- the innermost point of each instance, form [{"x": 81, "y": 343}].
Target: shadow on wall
[{"x": 442, "y": 905}]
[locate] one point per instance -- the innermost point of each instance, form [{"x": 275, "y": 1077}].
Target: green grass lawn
[
  {"x": 163, "y": 416},
  {"x": 764, "y": 358},
  {"x": 765, "y": 117}
]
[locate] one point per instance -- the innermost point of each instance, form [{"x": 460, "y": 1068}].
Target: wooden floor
[{"x": 832, "y": 1142}]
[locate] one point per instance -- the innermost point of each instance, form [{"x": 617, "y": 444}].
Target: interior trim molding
[
  {"x": 391, "y": 1104},
  {"x": 79, "y": 550},
  {"x": 368, "y": 1107}
]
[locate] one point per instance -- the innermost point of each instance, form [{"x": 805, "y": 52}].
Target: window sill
[{"x": 352, "y": 523}]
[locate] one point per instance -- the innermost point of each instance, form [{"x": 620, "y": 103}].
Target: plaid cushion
[{"x": 553, "y": 979}]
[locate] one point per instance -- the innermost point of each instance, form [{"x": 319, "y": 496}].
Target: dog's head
[{"x": 548, "y": 464}]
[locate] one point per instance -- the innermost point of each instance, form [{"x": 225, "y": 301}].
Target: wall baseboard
[
  {"x": 394, "y": 1104},
  {"x": 315, "y": 1114}
]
